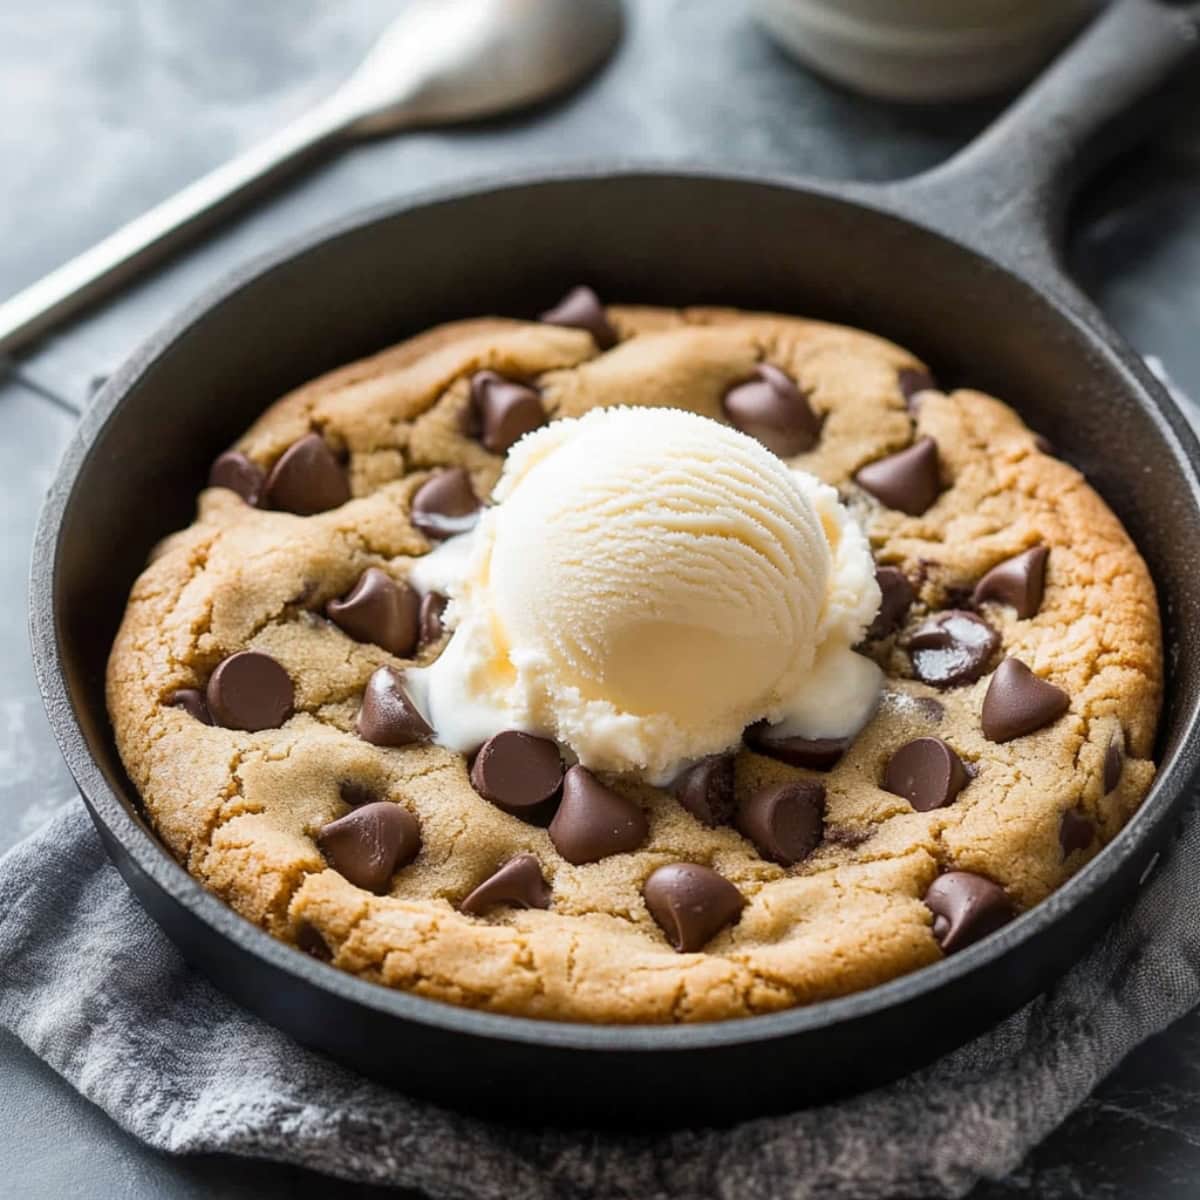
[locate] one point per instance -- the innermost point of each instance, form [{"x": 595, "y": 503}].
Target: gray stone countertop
[{"x": 110, "y": 107}]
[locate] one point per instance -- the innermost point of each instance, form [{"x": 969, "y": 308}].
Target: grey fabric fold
[{"x": 90, "y": 984}]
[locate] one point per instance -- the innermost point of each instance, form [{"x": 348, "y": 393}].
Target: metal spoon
[{"x": 441, "y": 61}]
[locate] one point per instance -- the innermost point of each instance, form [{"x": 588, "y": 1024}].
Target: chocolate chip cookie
[{"x": 258, "y": 690}]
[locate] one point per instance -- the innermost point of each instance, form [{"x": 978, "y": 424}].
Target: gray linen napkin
[{"x": 90, "y": 984}]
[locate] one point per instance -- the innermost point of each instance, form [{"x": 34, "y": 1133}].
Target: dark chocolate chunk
[
  {"x": 927, "y": 773},
  {"x": 370, "y": 844},
  {"x": 773, "y": 410},
  {"x": 356, "y": 794},
  {"x": 705, "y": 789},
  {"x": 517, "y": 884},
  {"x": 1114, "y": 760},
  {"x": 593, "y": 821},
  {"x": 233, "y": 470},
  {"x": 966, "y": 907},
  {"x": 817, "y": 754},
  {"x": 379, "y": 610},
  {"x": 1019, "y": 581},
  {"x": 433, "y": 604},
  {"x": 785, "y": 821},
  {"x": 502, "y": 410},
  {"x": 1045, "y": 445},
  {"x": 307, "y": 479},
  {"x": 250, "y": 691},
  {"x": 445, "y": 504},
  {"x": 192, "y": 701},
  {"x": 896, "y": 596},
  {"x": 908, "y": 480},
  {"x": 311, "y": 942},
  {"x": 388, "y": 716},
  {"x": 912, "y": 380},
  {"x": 957, "y": 595},
  {"x": 1018, "y": 702},
  {"x": 952, "y": 648},
  {"x": 1076, "y": 831},
  {"x": 517, "y": 770},
  {"x": 691, "y": 904},
  {"x": 580, "y": 308}
]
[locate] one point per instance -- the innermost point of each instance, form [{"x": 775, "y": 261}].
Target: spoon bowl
[{"x": 445, "y": 61}]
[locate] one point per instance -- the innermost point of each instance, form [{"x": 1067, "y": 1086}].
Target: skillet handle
[{"x": 1006, "y": 194}]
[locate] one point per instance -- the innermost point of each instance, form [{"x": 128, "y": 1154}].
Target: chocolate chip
[
  {"x": 1114, "y": 760},
  {"x": 192, "y": 701},
  {"x": 433, "y": 604},
  {"x": 388, "y": 716},
  {"x": 233, "y": 470},
  {"x": 691, "y": 904},
  {"x": 1076, "y": 831},
  {"x": 1019, "y": 581},
  {"x": 773, "y": 410},
  {"x": 356, "y": 794},
  {"x": 966, "y": 907},
  {"x": 1018, "y": 702},
  {"x": 957, "y": 595},
  {"x": 785, "y": 820},
  {"x": 370, "y": 844},
  {"x": 952, "y": 648},
  {"x": 896, "y": 597},
  {"x": 445, "y": 504},
  {"x": 912, "y": 380},
  {"x": 379, "y": 610},
  {"x": 580, "y": 308},
  {"x": 502, "y": 410},
  {"x": 517, "y": 770},
  {"x": 705, "y": 789},
  {"x": 311, "y": 942},
  {"x": 927, "y": 773},
  {"x": 307, "y": 479},
  {"x": 907, "y": 480},
  {"x": 1045, "y": 445},
  {"x": 517, "y": 884},
  {"x": 593, "y": 821},
  {"x": 817, "y": 754},
  {"x": 250, "y": 691}
]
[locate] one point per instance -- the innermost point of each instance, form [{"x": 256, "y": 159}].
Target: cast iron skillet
[{"x": 960, "y": 265}]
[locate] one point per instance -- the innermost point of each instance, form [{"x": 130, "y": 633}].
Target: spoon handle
[{"x": 151, "y": 237}]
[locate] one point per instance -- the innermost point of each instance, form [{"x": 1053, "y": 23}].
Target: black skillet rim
[{"x": 1169, "y": 791}]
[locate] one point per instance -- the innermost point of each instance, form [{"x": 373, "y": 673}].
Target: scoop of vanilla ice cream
[{"x": 648, "y": 583}]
